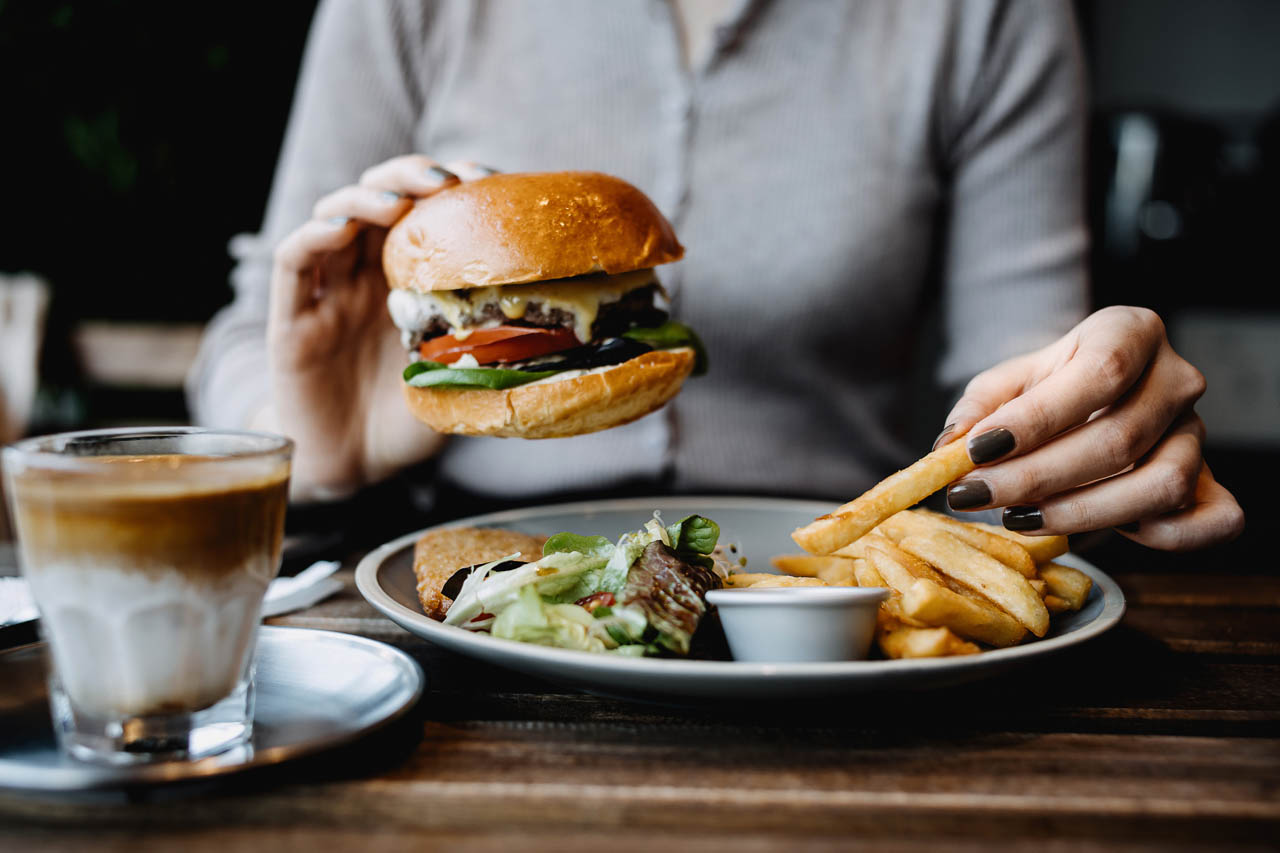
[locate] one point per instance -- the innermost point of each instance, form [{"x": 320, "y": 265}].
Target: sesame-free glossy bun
[
  {"x": 586, "y": 403},
  {"x": 511, "y": 229}
]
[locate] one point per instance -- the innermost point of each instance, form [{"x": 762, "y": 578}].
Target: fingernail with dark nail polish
[
  {"x": 391, "y": 196},
  {"x": 946, "y": 431},
  {"x": 968, "y": 494},
  {"x": 338, "y": 221},
  {"x": 1023, "y": 518},
  {"x": 439, "y": 175},
  {"x": 1130, "y": 527},
  {"x": 991, "y": 445}
]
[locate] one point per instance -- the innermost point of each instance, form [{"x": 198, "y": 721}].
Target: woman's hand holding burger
[
  {"x": 335, "y": 356},
  {"x": 1096, "y": 430}
]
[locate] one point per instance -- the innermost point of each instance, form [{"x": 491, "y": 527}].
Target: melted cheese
[{"x": 580, "y": 297}]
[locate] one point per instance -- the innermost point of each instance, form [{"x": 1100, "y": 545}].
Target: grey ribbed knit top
[{"x": 835, "y": 168}]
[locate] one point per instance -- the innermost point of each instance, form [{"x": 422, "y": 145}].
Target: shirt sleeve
[
  {"x": 358, "y": 101},
  {"x": 1014, "y": 261}
]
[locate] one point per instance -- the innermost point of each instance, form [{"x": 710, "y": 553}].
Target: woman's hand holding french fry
[{"x": 1096, "y": 430}]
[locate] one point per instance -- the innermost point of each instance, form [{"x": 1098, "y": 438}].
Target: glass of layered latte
[{"x": 148, "y": 552}]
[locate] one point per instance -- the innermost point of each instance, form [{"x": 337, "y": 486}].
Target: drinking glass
[{"x": 148, "y": 552}]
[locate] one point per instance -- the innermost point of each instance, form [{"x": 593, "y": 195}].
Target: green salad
[{"x": 644, "y": 594}]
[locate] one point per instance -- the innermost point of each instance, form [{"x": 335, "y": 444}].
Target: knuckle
[
  {"x": 1144, "y": 320},
  {"x": 286, "y": 247},
  {"x": 324, "y": 203},
  {"x": 1193, "y": 384},
  {"x": 1076, "y": 514},
  {"x": 1122, "y": 442},
  {"x": 1025, "y": 483},
  {"x": 1197, "y": 429},
  {"x": 1035, "y": 412},
  {"x": 1232, "y": 522},
  {"x": 1113, "y": 366},
  {"x": 1173, "y": 485}
]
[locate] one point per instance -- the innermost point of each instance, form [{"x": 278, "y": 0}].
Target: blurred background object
[
  {"x": 147, "y": 135},
  {"x": 24, "y": 300}
]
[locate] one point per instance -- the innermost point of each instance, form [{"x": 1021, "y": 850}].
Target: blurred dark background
[{"x": 150, "y": 130}]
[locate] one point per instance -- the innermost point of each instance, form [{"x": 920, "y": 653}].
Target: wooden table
[{"x": 1161, "y": 735}]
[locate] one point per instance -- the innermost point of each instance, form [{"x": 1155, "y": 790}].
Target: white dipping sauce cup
[{"x": 798, "y": 624}]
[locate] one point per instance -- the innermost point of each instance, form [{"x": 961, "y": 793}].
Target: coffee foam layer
[{"x": 190, "y": 514}]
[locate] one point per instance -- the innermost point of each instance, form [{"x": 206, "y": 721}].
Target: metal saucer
[{"x": 315, "y": 690}]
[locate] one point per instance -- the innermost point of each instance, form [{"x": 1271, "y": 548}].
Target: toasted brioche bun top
[{"x": 511, "y": 229}]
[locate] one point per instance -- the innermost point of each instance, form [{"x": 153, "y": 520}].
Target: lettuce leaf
[
  {"x": 431, "y": 374},
  {"x": 669, "y": 336},
  {"x": 694, "y": 534}
]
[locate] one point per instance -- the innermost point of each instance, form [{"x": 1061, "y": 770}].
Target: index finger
[
  {"x": 411, "y": 174},
  {"x": 1114, "y": 349}
]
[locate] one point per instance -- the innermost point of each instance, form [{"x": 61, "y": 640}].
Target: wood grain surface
[{"x": 1162, "y": 735}]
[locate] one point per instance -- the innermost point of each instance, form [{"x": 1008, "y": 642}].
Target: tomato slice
[{"x": 501, "y": 343}]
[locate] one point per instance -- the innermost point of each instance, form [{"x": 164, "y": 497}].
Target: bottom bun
[{"x": 556, "y": 409}]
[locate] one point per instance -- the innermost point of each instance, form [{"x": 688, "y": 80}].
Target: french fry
[
  {"x": 916, "y": 566},
  {"x": 765, "y": 580},
  {"x": 836, "y": 571},
  {"x": 867, "y": 576},
  {"x": 973, "y": 619},
  {"x": 925, "y": 601},
  {"x": 907, "y": 487},
  {"x": 897, "y": 640},
  {"x": 922, "y": 522},
  {"x": 1070, "y": 585},
  {"x": 1041, "y": 588},
  {"x": 1041, "y": 548},
  {"x": 895, "y": 573},
  {"x": 798, "y": 565},
  {"x": 1056, "y": 605},
  {"x": 985, "y": 574},
  {"x": 839, "y": 574}
]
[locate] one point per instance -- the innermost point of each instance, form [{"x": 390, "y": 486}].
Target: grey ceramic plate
[
  {"x": 315, "y": 690},
  {"x": 762, "y": 529}
]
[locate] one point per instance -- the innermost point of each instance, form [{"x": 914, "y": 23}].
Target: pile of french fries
[{"x": 955, "y": 586}]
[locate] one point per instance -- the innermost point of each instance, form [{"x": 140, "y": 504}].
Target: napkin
[{"x": 284, "y": 595}]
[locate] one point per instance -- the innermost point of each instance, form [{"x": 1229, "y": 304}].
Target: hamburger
[{"x": 529, "y": 306}]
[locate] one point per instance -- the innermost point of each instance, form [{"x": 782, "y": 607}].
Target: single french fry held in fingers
[
  {"x": 895, "y": 493},
  {"x": 1070, "y": 585},
  {"x": 985, "y": 574},
  {"x": 973, "y": 619},
  {"x": 1041, "y": 548},
  {"x": 765, "y": 580},
  {"x": 922, "y": 522},
  {"x": 867, "y": 576},
  {"x": 897, "y": 640}
]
